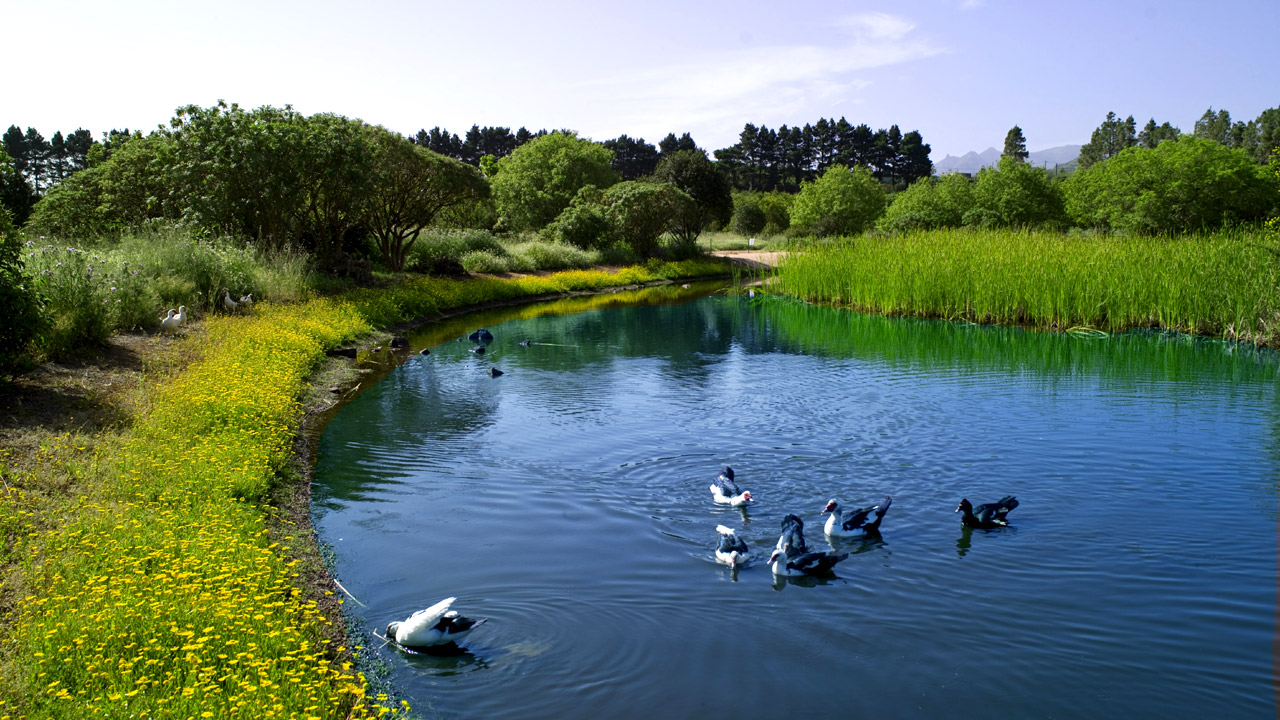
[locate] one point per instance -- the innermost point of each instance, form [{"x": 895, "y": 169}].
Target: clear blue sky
[{"x": 962, "y": 72}]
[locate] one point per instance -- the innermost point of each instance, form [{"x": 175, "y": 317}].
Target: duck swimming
[
  {"x": 791, "y": 557},
  {"x": 433, "y": 627},
  {"x": 725, "y": 490},
  {"x": 731, "y": 551},
  {"x": 989, "y": 515},
  {"x": 860, "y": 522}
]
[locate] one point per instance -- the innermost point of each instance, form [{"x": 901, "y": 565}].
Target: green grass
[{"x": 1223, "y": 284}]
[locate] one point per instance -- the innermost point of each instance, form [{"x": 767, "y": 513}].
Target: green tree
[
  {"x": 1112, "y": 136},
  {"x": 695, "y": 175},
  {"x": 1016, "y": 194},
  {"x": 1015, "y": 145},
  {"x": 16, "y": 196},
  {"x": 640, "y": 213},
  {"x": 842, "y": 201},
  {"x": 538, "y": 181},
  {"x": 410, "y": 187},
  {"x": 1182, "y": 185},
  {"x": 632, "y": 158},
  {"x": 930, "y": 203},
  {"x": 22, "y": 306},
  {"x": 1214, "y": 126},
  {"x": 1152, "y": 134},
  {"x": 748, "y": 216}
]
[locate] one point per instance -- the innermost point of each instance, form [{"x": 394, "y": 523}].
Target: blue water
[{"x": 567, "y": 501}]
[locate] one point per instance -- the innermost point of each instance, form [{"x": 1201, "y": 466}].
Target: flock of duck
[
  {"x": 439, "y": 626},
  {"x": 792, "y": 557},
  {"x": 175, "y": 319}
]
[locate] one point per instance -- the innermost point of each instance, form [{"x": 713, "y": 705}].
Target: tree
[
  {"x": 639, "y": 213},
  {"x": 842, "y": 201},
  {"x": 1182, "y": 185},
  {"x": 1015, "y": 145},
  {"x": 1152, "y": 135},
  {"x": 914, "y": 162},
  {"x": 1112, "y": 136},
  {"x": 930, "y": 203},
  {"x": 411, "y": 186},
  {"x": 21, "y": 303},
  {"x": 1214, "y": 126},
  {"x": 671, "y": 144},
  {"x": 632, "y": 159},
  {"x": 695, "y": 175},
  {"x": 539, "y": 180},
  {"x": 16, "y": 196},
  {"x": 1018, "y": 194}
]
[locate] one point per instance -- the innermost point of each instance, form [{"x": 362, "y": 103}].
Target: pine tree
[{"x": 1015, "y": 145}]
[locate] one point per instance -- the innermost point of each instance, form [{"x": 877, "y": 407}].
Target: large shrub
[
  {"x": 748, "y": 217},
  {"x": 1180, "y": 185},
  {"x": 930, "y": 203},
  {"x": 843, "y": 201},
  {"x": 1016, "y": 194},
  {"x": 537, "y": 182},
  {"x": 19, "y": 302}
]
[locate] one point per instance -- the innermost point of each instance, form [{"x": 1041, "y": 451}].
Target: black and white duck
[
  {"x": 732, "y": 550},
  {"x": 860, "y": 522},
  {"x": 792, "y": 558},
  {"x": 433, "y": 627},
  {"x": 990, "y": 515},
  {"x": 725, "y": 490}
]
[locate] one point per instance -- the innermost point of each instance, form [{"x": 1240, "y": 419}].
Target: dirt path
[{"x": 753, "y": 258}]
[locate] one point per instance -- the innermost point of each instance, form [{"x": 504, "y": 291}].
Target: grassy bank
[
  {"x": 1225, "y": 284},
  {"x": 146, "y": 582}
]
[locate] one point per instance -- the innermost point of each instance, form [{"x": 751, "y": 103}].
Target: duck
[
  {"x": 731, "y": 551},
  {"x": 481, "y": 336},
  {"x": 791, "y": 558},
  {"x": 725, "y": 490},
  {"x": 182, "y": 315},
  {"x": 989, "y": 515},
  {"x": 227, "y": 302},
  {"x": 170, "y": 322},
  {"x": 856, "y": 523},
  {"x": 433, "y": 627},
  {"x": 246, "y": 300}
]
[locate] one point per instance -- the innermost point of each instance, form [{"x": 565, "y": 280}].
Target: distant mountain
[{"x": 971, "y": 162}]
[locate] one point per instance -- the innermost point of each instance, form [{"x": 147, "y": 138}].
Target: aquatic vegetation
[
  {"x": 1221, "y": 284},
  {"x": 161, "y": 592}
]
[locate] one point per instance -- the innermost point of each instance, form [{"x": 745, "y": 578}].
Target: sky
[{"x": 961, "y": 72}]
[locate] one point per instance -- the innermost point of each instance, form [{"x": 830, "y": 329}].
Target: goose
[
  {"x": 990, "y": 515},
  {"x": 227, "y": 302},
  {"x": 725, "y": 490},
  {"x": 731, "y": 551},
  {"x": 182, "y": 315},
  {"x": 857, "y": 523},
  {"x": 170, "y": 322},
  {"x": 435, "y": 626},
  {"x": 246, "y": 300},
  {"x": 792, "y": 559}
]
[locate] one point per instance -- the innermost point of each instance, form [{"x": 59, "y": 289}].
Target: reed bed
[
  {"x": 158, "y": 591},
  {"x": 1224, "y": 284}
]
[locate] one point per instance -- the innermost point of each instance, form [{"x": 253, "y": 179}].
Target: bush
[
  {"x": 930, "y": 203},
  {"x": 583, "y": 226},
  {"x": 842, "y": 201},
  {"x": 1179, "y": 186},
  {"x": 21, "y": 304},
  {"x": 439, "y": 251},
  {"x": 542, "y": 255},
  {"x": 485, "y": 261},
  {"x": 1017, "y": 194},
  {"x": 776, "y": 207},
  {"x": 748, "y": 217},
  {"x": 537, "y": 182}
]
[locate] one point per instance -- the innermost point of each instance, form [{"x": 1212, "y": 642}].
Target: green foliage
[
  {"x": 842, "y": 201},
  {"x": 21, "y": 304},
  {"x": 437, "y": 251},
  {"x": 1112, "y": 136},
  {"x": 582, "y": 225},
  {"x": 1016, "y": 194},
  {"x": 639, "y": 213},
  {"x": 486, "y": 261},
  {"x": 540, "y": 179},
  {"x": 929, "y": 204},
  {"x": 1015, "y": 145},
  {"x": 700, "y": 179},
  {"x": 748, "y": 216},
  {"x": 542, "y": 255},
  {"x": 777, "y": 211},
  {"x": 1182, "y": 185},
  {"x": 411, "y": 186}
]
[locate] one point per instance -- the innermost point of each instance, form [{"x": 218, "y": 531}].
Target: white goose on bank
[
  {"x": 182, "y": 315},
  {"x": 246, "y": 301},
  {"x": 861, "y": 522},
  {"x": 725, "y": 490},
  {"x": 731, "y": 551},
  {"x": 435, "y": 626},
  {"x": 170, "y": 322}
]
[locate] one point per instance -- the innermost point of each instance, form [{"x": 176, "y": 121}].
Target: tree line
[{"x": 1257, "y": 137}]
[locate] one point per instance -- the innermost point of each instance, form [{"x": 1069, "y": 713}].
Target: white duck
[
  {"x": 862, "y": 522},
  {"x": 170, "y": 322},
  {"x": 437, "y": 625},
  {"x": 182, "y": 315},
  {"x": 731, "y": 551},
  {"x": 725, "y": 490},
  {"x": 227, "y": 302}
]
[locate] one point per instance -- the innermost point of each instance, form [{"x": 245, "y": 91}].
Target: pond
[{"x": 567, "y": 501}]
